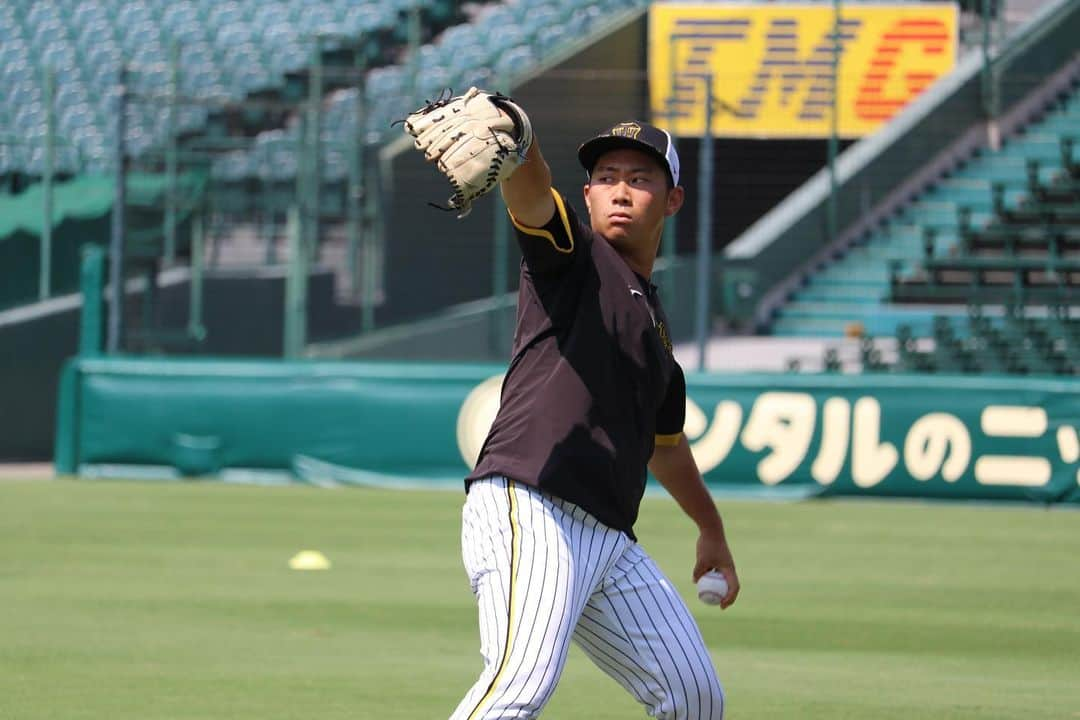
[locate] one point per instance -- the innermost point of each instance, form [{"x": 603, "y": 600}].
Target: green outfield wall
[{"x": 393, "y": 423}]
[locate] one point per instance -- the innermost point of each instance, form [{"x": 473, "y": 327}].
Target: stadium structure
[{"x": 217, "y": 188}]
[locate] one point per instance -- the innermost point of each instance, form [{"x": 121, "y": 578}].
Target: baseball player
[{"x": 593, "y": 396}]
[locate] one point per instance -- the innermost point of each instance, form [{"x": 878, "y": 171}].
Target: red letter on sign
[{"x": 930, "y": 37}]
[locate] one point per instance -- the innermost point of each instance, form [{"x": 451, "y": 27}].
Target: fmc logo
[{"x": 771, "y": 66}]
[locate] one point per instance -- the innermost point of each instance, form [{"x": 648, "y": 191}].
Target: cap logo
[{"x": 626, "y": 130}]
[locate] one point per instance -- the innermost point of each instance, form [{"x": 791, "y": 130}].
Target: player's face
[{"x": 628, "y": 198}]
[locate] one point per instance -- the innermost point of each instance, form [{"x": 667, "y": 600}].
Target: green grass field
[{"x": 128, "y": 600}]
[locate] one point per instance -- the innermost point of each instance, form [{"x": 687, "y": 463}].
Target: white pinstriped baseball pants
[{"x": 544, "y": 572}]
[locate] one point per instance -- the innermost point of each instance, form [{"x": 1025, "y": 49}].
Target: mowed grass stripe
[{"x": 130, "y": 600}]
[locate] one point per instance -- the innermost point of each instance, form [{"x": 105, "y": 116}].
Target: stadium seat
[
  {"x": 550, "y": 38},
  {"x": 228, "y": 49},
  {"x": 231, "y": 48},
  {"x": 11, "y": 158},
  {"x": 233, "y": 167},
  {"x": 1002, "y": 228},
  {"x": 275, "y": 152},
  {"x": 514, "y": 61}
]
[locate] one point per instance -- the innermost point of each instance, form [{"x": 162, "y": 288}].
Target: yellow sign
[{"x": 771, "y": 66}]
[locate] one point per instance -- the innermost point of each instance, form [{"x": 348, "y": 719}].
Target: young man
[{"x": 592, "y": 397}]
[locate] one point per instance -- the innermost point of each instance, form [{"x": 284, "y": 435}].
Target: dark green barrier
[
  {"x": 900, "y": 435},
  {"x": 202, "y": 416}
]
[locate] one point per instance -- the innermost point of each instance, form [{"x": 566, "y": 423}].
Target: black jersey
[{"x": 592, "y": 384}]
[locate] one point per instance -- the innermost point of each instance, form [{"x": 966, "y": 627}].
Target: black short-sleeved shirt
[{"x": 592, "y": 385}]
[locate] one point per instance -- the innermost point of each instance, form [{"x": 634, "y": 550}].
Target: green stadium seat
[
  {"x": 513, "y": 61},
  {"x": 233, "y": 167},
  {"x": 539, "y": 16},
  {"x": 1003, "y": 228},
  {"x": 551, "y": 38},
  {"x": 221, "y": 44},
  {"x": 433, "y": 81},
  {"x": 235, "y": 47},
  {"x": 11, "y": 159}
]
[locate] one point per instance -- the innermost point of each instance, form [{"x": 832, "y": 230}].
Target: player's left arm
[{"x": 673, "y": 465}]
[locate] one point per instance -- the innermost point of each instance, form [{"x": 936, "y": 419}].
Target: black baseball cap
[{"x": 635, "y": 135}]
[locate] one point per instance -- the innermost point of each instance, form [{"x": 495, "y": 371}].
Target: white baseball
[{"x": 712, "y": 588}]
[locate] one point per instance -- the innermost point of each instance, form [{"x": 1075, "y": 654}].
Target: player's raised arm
[
  {"x": 527, "y": 191},
  {"x": 480, "y": 140}
]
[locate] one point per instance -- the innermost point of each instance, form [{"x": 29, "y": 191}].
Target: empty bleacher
[
  {"x": 241, "y": 70},
  {"x": 1028, "y": 253},
  {"x": 238, "y": 49},
  {"x": 992, "y": 246},
  {"x": 502, "y": 43},
  {"x": 1043, "y": 343},
  {"x": 1018, "y": 277},
  {"x": 982, "y": 200},
  {"x": 224, "y": 51}
]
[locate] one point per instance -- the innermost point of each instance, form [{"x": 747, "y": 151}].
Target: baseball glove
[{"x": 477, "y": 140}]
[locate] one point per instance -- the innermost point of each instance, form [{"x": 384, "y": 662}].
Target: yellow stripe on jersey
[
  {"x": 541, "y": 232},
  {"x": 668, "y": 440},
  {"x": 514, "y": 559}
]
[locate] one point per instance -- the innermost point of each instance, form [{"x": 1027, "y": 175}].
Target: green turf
[{"x": 126, "y": 600}]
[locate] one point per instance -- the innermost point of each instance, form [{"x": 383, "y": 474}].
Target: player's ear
[
  {"x": 586, "y": 192},
  {"x": 675, "y": 198}
]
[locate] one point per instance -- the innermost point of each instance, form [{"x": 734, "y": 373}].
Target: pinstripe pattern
[
  {"x": 511, "y": 517},
  {"x": 545, "y": 572}
]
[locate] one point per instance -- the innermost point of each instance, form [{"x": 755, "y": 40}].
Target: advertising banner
[
  {"x": 974, "y": 437},
  {"x": 771, "y": 65}
]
